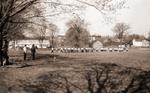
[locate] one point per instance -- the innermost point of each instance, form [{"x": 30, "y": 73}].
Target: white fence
[{"x": 86, "y": 50}]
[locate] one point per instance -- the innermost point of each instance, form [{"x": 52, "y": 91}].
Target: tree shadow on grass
[
  {"x": 31, "y": 88},
  {"x": 3, "y": 85},
  {"x": 100, "y": 78},
  {"x": 42, "y": 84},
  {"x": 106, "y": 78}
]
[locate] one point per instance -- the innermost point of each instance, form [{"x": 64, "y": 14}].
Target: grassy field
[
  {"x": 40, "y": 75},
  {"x": 137, "y": 57}
]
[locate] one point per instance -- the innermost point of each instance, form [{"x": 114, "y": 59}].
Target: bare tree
[
  {"x": 39, "y": 31},
  {"x": 134, "y": 36},
  {"x": 9, "y": 11},
  {"x": 77, "y": 34},
  {"x": 52, "y": 34},
  {"x": 106, "y": 7},
  {"x": 45, "y": 30},
  {"x": 120, "y": 30}
]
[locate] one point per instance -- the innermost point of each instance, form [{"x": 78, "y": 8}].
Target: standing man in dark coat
[{"x": 33, "y": 51}]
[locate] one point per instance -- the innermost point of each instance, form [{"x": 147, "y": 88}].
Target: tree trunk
[
  {"x": 3, "y": 23},
  {"x": 6, "y": 45},
  {"x": 1, "y": 46}
]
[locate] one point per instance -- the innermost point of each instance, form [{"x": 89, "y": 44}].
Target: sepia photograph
[{"x": 74, "y": 46}]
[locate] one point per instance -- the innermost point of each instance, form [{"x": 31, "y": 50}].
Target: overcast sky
[{"x": 137, "y": 16}]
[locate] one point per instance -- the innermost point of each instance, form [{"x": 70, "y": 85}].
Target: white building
[
  {"x": 97, "y": 45},
  {"x": 29, "y": 43},
  {"x": 141, "y": 43}
]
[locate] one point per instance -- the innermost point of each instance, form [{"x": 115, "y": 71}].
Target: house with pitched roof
[{"x": 141, "y": 43}]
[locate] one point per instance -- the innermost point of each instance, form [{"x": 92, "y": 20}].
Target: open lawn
[
  {"x": 137, "y": 57},
  {"x": 70, "y": 71}
]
